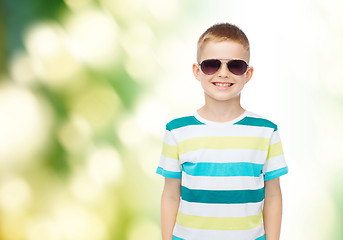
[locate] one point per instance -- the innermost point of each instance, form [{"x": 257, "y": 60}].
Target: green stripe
[
  {"x": 275, "y": 150},
  {"x": 223, "y": 142},
  {"x": 258, "y": 122},
  {"x": 222, "y": 196},
  {"x": 182, "y": 122},
  {"x": 219, "y": 223},
  {"x": 170, "y": 151}
]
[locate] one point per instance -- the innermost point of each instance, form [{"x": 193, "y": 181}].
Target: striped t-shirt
[{"x": 222, "y": 166}]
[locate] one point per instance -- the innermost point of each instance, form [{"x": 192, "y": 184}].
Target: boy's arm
[
  {"x": 169, "y": 206},
  {"x": 272, "y": 210}
]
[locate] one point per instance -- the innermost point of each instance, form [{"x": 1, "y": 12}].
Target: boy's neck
[{"x": 221, "y": 111}]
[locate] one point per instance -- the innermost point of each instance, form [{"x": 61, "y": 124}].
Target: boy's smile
[{"x": 223, "y": 85}]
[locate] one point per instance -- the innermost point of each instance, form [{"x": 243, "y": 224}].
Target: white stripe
[
  {"x": 224, "y": 155},
  {"x": 252, "y": 114},
  {"x": 275, "y": 137},
  {"x": 169, "y": 138},
  {"x": 169, "y": 164},
  {"x": 222, "y": 183},
  {"x": 193, "y": 131},
  {"x": 274, "y": 163},
  {"x": 221, "y": 210},
  {"x": 200, "y": 234}
]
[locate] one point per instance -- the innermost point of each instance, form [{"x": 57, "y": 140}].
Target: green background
[{"x": 86, "y": 88}]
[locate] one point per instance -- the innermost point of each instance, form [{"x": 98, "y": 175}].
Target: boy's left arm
[{"x": 272, "y": 210}]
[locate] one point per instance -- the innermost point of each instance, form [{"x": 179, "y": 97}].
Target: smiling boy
[{"x": 222, "y": 163}]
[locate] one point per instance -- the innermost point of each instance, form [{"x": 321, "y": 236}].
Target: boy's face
[{"x": 225, "y": 51}]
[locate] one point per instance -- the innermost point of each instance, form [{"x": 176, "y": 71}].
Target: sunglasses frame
[{"x": 227, "y": 62}]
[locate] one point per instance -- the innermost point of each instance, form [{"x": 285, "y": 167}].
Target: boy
[{"x": 221, "y": 163}]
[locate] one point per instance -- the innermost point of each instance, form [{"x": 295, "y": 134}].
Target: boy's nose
[{"x": 223, "y": 71}]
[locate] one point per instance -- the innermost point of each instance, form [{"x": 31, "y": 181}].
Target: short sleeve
[
  {"x": 169, "y": 164},
  {"x": 275, "y": 165}
]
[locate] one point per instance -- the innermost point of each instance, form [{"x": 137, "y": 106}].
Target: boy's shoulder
[
  {"x": 260, "y": 120},
  {"x": 182, "y": 120},
  {"x": 250, "y": 118}
]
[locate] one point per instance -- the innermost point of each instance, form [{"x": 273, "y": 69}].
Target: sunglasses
[{"x": 211, "y": 66}]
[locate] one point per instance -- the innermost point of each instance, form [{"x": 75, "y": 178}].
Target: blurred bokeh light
[{"x": 86, "y": 88}]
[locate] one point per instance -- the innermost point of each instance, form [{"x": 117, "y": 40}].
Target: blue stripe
[
  {"x": 168, "y": 174},
  {"x": 182, "y": 122},
  {"x": 275, "y": 174},
  {"x": 222, "y": 196},
  {"x": 258, "y": 122},
  {"x": 177, "y": 238},
  {"x": 261, "y": 238},
  {"x": 222, "y": 169}
]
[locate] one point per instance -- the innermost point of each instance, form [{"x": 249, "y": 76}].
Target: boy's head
[
  {"x": 223, "y": 32},
  {"x": 223, "y": 62}
]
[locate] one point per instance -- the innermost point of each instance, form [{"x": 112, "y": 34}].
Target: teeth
[{"x": 223, "y": 84}]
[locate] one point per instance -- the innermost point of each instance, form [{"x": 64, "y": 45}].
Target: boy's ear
[
  {"x": 249, "y": 74},
  {"x": 196, "y": 71}
]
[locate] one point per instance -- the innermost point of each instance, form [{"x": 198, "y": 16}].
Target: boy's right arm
[{"x": 169, "y": 206}]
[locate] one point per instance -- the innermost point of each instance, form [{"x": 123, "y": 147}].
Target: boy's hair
[{"x": 222, "y": 32}]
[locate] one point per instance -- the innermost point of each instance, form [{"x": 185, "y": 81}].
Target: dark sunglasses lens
[
  {"x": 237, "y": 67},
  {"x": 210, "y": 66}
]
